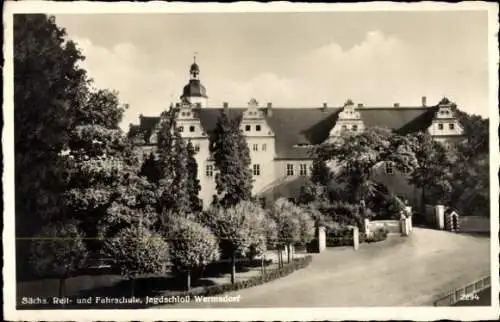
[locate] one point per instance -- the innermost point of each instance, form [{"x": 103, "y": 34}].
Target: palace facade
[{"x": 280, "y": 138}]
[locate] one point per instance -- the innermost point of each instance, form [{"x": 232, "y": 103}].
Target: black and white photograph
[{"x": 251, "y": 160}]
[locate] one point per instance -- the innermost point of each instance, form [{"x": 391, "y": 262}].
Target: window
[
  {"x": 197, "y": 148},
  {"x": 355, "y": 128},
  {"x": 209, "y": 170},
  {"x": 256, "y": 169},
  {"x": 247, "y": 128},
  {"x": 255, "y": 147},
  {"x": 303, "y": 169},
  {"x": 344, "y": 127},
  {"x": 264, "y": 147},
  {"x": 257, "y": 128},
  {"x": 440, "y": 126},
  {"x": 191, "y": 128},
  {"x": 181, "y": 128},
  {"x": 451, "y": 126},
  {"x": 289, "y": 169},
  {"x": 388, "y": 168},
  {"x": 183, "y": 113}
]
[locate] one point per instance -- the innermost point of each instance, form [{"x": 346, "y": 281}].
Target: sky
[{"x": 289, "y": 59}]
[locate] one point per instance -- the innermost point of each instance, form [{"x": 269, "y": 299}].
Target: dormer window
[
  {"x": 247, "y": 128},
  {"x": 191, "y": 128},
  {"x": 354, "y": 127},
  {"x": 440, "y": 126},
  {"x": 451, "y": 126},
  {"x": 257, "y": 128}
]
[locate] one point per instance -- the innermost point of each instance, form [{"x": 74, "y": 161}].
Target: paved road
[{"x": 400, "y": 271}]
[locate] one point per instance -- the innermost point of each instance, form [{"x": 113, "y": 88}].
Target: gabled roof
[{"x": 297, "y": 129}]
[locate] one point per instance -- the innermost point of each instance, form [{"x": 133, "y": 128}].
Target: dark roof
[
  {"x": 311, "y": 126},
  {"x": 397, "y": 118},
  {"x": 194, "y": 89}
]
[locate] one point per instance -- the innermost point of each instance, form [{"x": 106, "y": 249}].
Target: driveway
[{"x": 400, "y": 271}]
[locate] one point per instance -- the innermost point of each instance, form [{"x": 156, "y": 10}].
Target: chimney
[
  {"x": 424, "y": 101},
  {"x": 396, "y": 104},
  {"x": 360, "y": 105},
  {"x": 225, "y": 105},
  {"x": 325, "y": 106},
  {"x": 269, "y": 109}
]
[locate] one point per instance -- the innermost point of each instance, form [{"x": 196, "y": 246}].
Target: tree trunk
[
  {"x": 132, "y": 286},
  {"x": 289, "y": 255},
  {"x": 188, "y": 280},
  {"x": 62, "y": 286},
  {"x": 233, "y": 267},
  {"x": 262, "y": 265},
  {"x": 278, "y": 252},
  {"x": 62, "y": 289}
]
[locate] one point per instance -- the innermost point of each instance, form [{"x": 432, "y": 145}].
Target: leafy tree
[
  {"x": 320, "y": 172},
  {"x": 138, "y": 251},
  {"x": 232, "y": 160},
  {"x": 58, "y": 251},
  {"x": 433, "y": 173},
  {"x": 192, "y": 246},
  {"x": 151, "y": 169},
  {"x": 101, "y": 164},
  {"x": 48, "y": 87},
  {"x": 238, "y": 228},
  {"x": 173, "y": 161},
  {"x": 193, "y": 182},
  {"x": 357, "y": 154},
  {"x": 286, "y": 216}
]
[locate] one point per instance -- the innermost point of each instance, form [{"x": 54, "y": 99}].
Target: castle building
[{"x": 280, "y": 139}]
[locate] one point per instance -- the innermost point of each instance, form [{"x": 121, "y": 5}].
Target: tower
[{"x": 194, "y": 92}]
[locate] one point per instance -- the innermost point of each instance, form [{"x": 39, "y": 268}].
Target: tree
[
  {"x": 357, "y": 154},
  {"x": 288, "y": 224},
  {"x": 58, "y": 251},
  {"x": 48, "y": 87},
  {"x": 150, "y": 169},
  {"x": 173, "y": 162},
  {"x": 138, "y": 251},
  {"x": 101, "y": 164},
  {"x": 232, "y": 160},
  {"x": 433, "y": 173},
  {"x": 191, "y": 246},
  {"x": 238, "y": 228},
  {"x": 193, "y": 185}
]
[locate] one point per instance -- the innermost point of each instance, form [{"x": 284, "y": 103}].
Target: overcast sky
[{"x": 290, "y": 59}]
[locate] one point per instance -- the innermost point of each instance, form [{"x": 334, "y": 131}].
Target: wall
[
  {"x": 392, "y": 226},
  {"x": 475, "y": 224}
]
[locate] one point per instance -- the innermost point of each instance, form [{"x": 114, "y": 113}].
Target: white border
[{"x": 351, "y": 313}]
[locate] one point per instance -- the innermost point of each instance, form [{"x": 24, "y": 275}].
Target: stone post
[
  {"x": 439, "y": 216},
  {"x": 366, "y": 226},
  {"x": 355, "y": 237},
  {"x": 321, "y": 238}
]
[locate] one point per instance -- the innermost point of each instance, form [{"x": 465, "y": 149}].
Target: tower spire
[{"x": 194, "y": 70}]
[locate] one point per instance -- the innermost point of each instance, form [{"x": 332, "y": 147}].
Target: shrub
[{"x": 378, "y": 235}]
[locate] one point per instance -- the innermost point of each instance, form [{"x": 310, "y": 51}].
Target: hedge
[
  {"x": 343, "y": 237},
  {"x": 287, "y": 269}
]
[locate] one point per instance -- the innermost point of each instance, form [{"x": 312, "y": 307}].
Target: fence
[{"x": 463, "y": 292}]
